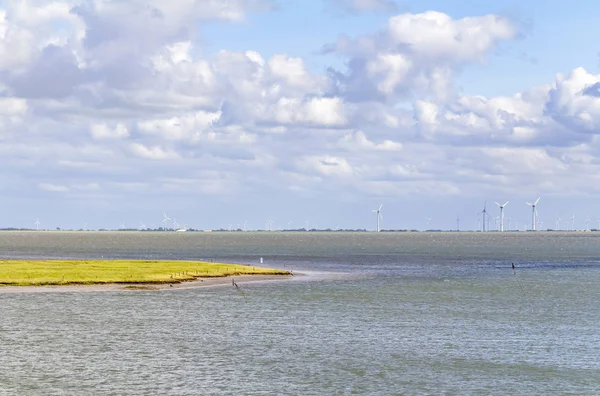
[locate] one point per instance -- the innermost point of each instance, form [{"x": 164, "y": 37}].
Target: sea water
[{"x": 387, "y": 313}]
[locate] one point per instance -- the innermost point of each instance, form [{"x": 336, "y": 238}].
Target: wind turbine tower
[
  {"x": 587, "y": 223},
  {"x": 165, "y": 221},
  {"x": 484, "y": 213},
  {"x": 37, "y": 224},
  {"x": 533, "y": 212},
  {"x": 379, "y": 216},
  {"x": 501, "y": 215}
]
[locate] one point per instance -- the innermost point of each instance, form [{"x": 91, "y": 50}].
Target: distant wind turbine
[
  {"x": 166, "y": 221},
  {"x": 587, "y": 223},
  {"x": 558, "y": 219},
  {"x": 484, "y": 213},
  {"x": 428, "y": 221},
  {"x": 501, "y": 215},
  {"x": 37, "y": 224},
  {"x": 379, "y": 216},
  {"x": 533, "y": 212}
]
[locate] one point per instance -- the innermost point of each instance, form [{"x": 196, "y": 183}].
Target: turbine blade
[
  {"x": 498, "y": 204},
  {"x": 506, "y": 203},
  {"x": 537, "y": 200},
  {"x": 380, "y": 206}
]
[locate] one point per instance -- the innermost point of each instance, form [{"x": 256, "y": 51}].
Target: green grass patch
[{"x": 89, "y": 272}]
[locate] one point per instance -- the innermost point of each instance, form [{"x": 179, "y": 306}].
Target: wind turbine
[
  {"x": 501, "y": 215},
  {"x": 484, "y": 213},
  {"x": 165, "y": 221},
  {"x": 428, "y": 220},
  {"x": 587, "y": 224},
  {"x": 558, "y": 219},
  {"x": 573, "y": 223},
  {"x": 379, "y": 216},
  {"x": 37, "y": 224},
  {"x": 533, "y": 212},
  {"x": 457, "y": 223},
  {"x": 142, "y": 226},
  {"x": 509, "y": 223}
]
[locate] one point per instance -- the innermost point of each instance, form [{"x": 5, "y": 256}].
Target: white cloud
[
  {"x": 392, "y": 67},
  {"x": 187, "y": 127},
  {"x": 358, "y": 142},
  {"x": 103, "y": 131},
  {"x": 53, "y": 187},
  {"x": 290, "y": 70},
  {"x": 366, "y": 5},
  {"x": 417, "y": 54},
  {"x": 153, "y": 153},
  {"x": 436, "y": 36},
  {"x": 575, "y": 101},
  {"x": 326, "y": 166},
  {"x": 328, "y": 112},
  {"x": 12, "y": 107}
]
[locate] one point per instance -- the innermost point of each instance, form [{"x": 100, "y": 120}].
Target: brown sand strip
[{"x": 200, "y": 282}]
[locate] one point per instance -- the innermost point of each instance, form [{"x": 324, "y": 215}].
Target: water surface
[{"x": 394, "y": 314}]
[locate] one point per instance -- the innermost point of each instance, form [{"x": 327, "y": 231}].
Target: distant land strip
[{"x": 95, "y": 272}]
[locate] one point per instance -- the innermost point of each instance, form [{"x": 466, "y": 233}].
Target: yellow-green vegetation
[{"x": 67, "y": 272}]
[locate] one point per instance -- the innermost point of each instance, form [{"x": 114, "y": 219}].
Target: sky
[{"x": 225, "y": 113}]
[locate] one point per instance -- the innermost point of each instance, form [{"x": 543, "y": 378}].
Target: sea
[{"x": 365, "y": 314}]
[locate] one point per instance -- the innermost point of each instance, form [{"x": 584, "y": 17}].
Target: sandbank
[{"x": 197, "y": 283}]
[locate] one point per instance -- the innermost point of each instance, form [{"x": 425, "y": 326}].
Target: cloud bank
[{"x": 104, "y": 101}]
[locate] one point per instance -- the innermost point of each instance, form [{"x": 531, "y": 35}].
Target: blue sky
[{"x": 221, "y": 114}]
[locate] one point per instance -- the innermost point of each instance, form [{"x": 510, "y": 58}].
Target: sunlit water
[{"x": 379, "y": 314}]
